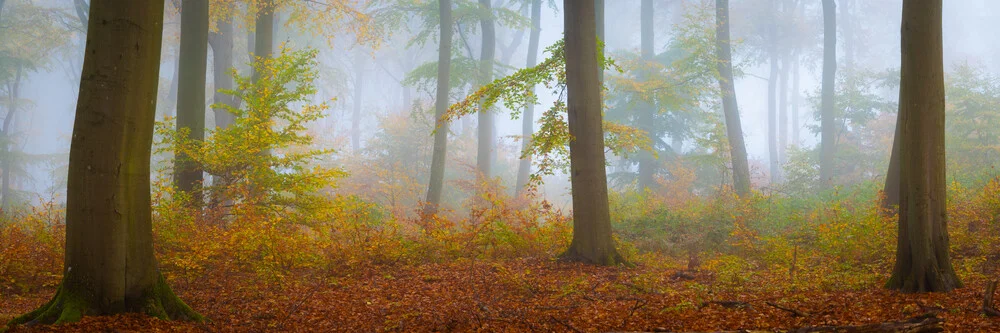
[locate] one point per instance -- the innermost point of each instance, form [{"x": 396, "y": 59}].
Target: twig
[
  {"x": 639, "y": 303},
  {"x": 794, "y": 312},
  {"x": 727, "y": 304},
  {"x": 567, "y": 325}
]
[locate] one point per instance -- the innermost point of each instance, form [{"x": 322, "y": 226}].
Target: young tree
[
  {"x": 592, "y": 242},
  {"x": 734, "y": 130},
  {"x": 528, "y": 118},
  {"x": 922, "y": 261},
  {"x": 484, "y": 154},
  {"x": 109, "y": 262},
  {"x": 191, "y": 91},
  {"x": 827, "y": 112},
  {"x": 436, "y": 184}
]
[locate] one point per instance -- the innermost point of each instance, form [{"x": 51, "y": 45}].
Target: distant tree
[
  {"x": 734, "y": 130},
  {"x": 191, "y": 91},
  {"x": 484, "y": 154},
  {"x": 263, "y": 44},
  {"x": 109, "y": 263},
  {"x": 528, "y": 118},
  {"x": 646, "y": 109},
  {"x": 592, "y": 241},
  {"x": 772, "y": 94},
  {"x": 922, "y": 260},
  {"x": 221, "y": 41},
  {"x": 827, "y": 110},
  {"x": 436, "y": 184}
]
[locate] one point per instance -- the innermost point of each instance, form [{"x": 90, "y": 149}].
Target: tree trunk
[
  {"x": 484, "y": 156},
  {"x": 528, "y": 118},
  {"x": 109, "y": 261},
  {"x": 827, "y": 148},
  {"x": 592, "y": 242},
  {"x": 890, "y": 192},
  {"x": 191, "y": 92},
  {"x": 439, "y": 155},
  {"x": 359, "y": 83},
  {"x": 171, "y": 108},
  {"x": 772, "y": 98},
  {"x": 222, "y": 56},
  {"x": 783, "y": 108},
  {"x": 647, "y": 162},
  {"x": 599, "y": 17},
  {"x": 922, "y": 261},
  {"x": 734, "y": 130},
  {"x": 8, "y": 140},
  {"x": 263, "y": 44},
  {"x": 795, "y": 99}
]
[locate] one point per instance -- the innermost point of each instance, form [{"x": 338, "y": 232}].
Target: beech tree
[
  {"x": 191, "y": 91},
  {"x": 438, "y": 157},
  {"x": 528, "y": 118},
  {"x": 922, "y": 261},
  {"x": 734, "y": 129},
  {"x": 109, "y": 263},
  {"x": 484, "y": 153},
  {"x": 646, "y": 109},
  {"x": 592, "y": 242},
  {"x": 827, "y": 116}
]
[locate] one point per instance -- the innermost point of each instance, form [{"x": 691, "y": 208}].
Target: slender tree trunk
[
  {"x": 922, "y": 261},
  {"x": 359, "y": 82},
  {"x": 796, "y": 126},
  {"x": 783, "y": 108},
  {"x": 171, "y": 100},
  {"x": 734, "y": 130},
  {"x": 772, "y": 98},
  {"x": 528, "y": 118},
  {"x": 484, "y": 156},
  {"x": 592, "y": 242},
  {"x": 439, "y": 155},
  {"x": 192, "y": 60},
  {"x": 827, "y": 148},
  {"x": 14, "y": 92},
  {"x": 109, "y": 262},
  {"x": 222, "y": 57},
  {"x": 647, "y": 162}
]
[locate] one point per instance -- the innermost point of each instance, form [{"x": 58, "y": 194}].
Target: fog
[{"x": 49, "y": 88}]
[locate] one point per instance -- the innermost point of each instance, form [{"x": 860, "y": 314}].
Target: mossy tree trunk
[
  {"x": 193, "y": 66},
  {"x": 109, "y": 262},
  {"x": 592, "y": 242},
  {"x": 922, "y": 261},
  {"x": 440, "y": 153},
  {"x": 734, "y": 129}
]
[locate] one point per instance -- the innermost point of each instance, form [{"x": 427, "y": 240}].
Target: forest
[{"x": 499, "y": 166}]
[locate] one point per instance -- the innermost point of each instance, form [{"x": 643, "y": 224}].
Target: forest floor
[{"x": 534, "y": 295}]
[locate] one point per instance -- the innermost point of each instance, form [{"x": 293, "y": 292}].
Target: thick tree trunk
[
  {"x": 645, "y": 109},
  {"x": 263, "y": 44},
  {"x": 599, "y": 17},
  {"x": 890, "y": 192},
  {"x": 528, "y": 117},
  {"x": 922, "y": 261},
  {"x": 109, "y": 262},
  {"x": 191, "y": 92},
  {"x": 592, "y": 242},
  {"x": 439, "y": 155},
  {"x": 827, "y": 148},
  {"x": 222, "y": 57},
  {"x": 484, "y": 155},
  {"x": 772, "y": 99},
  {"x": 734, "y": 129}
]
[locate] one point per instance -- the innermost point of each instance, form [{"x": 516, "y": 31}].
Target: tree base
[
  {"x": 604, "y": 259},
  {"x": 67, "y": 306}
]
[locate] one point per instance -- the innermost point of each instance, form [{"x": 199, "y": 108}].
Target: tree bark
[
  {"x": 528, "y": 117},
  {"x": 222, "y": 57},
  {"x": 827, "y": 121},
  {"x": 599, "y": 17},
  {"x": 592, "y": 242},
  {"x": 191, "y": 93},
  {"x": 109, "y": 260},
  {"x": 890, "y": 192},
  {"x": 484, "y": 156},
  {"x": 734, "y": 129},
  {"x": 922, "y": 261},
  {"x": 646, "y": 109},
  {"x": 772, "y": 98},
  {"x": 439, "y": 154}
]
